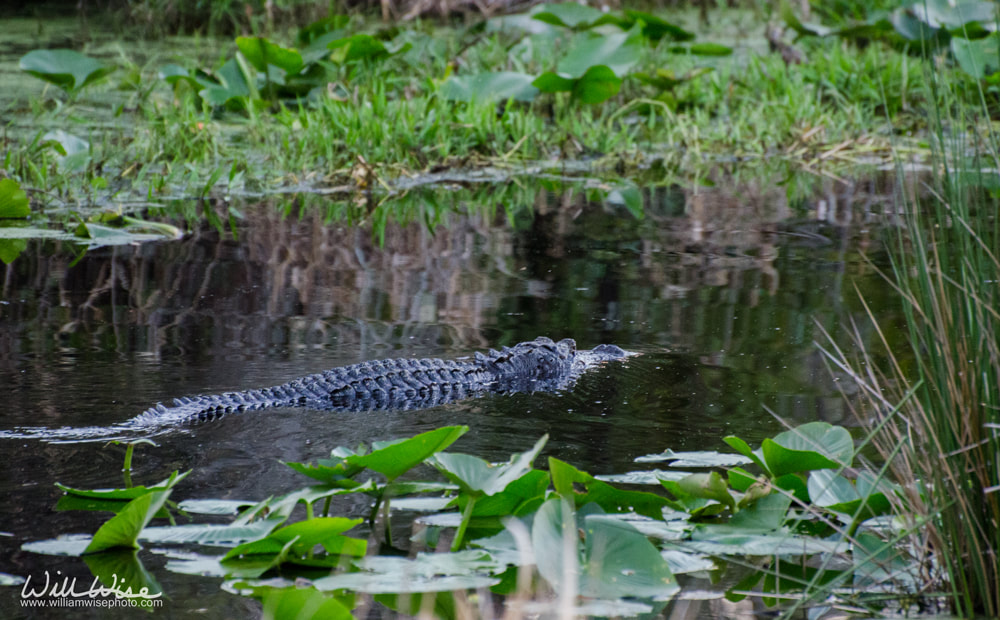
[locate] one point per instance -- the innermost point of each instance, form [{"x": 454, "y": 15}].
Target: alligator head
[{"x": 536, "y": 364}]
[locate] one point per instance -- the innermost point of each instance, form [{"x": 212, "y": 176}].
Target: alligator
[{"x": 539, "y": 365}]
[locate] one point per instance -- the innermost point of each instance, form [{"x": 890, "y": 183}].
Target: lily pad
[
  {"x": 702, "y": 458},
  {"x": 67, "y": 69},
  {"x": 13, "y": 200},
  {"x": 490, "y": 86},
  {"x": 261, "y": 52},
  {"x": 67, "y": 544},
  {"x": 428, "y": 572},
  {"x": 567, "y": 14},
  {"x": 616, "y": 560}
]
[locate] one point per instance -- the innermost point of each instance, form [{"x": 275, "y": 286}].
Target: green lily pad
[
  {"x": 428, "y": 572},
  {"x": 477, "y": 477},
  {"x": 66, "y": 544},
  {"x": 618, "y": 52},
  {"x": 208, "y": 534},
  {"x": 816, "y": 445},
  {"x": 489, "y": 86},
  {"x": 303, "y": 537},
  {"x": 125, "y": 494},
  {"x": 122, "y": 530},
  {"x": 67, "y": 69},
  {"x": 260, "y": 52},
  {"x": 13, "y": 200},
  {"x": 567, "y": 14},
  {"x": 702, "y": 458},
  {"x": 616, "y": 561},
  {"x": 979, "y": 58}
]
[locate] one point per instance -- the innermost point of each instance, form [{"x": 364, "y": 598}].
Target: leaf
[
  {"x": 123, "y": 529},
  {"x": 336, "y": 471},
  {"x": 551, "y": 82},
  {"x": 489, "y": 86},
  {"x": 955, "y": 15},
  {"x": 618, "y": 52},
  {"x": 10, "y": 249},
  {"x": 709, "y": 49},
  {"x": 261, "y": 52},
  {"x": 616, "y": 560},
  {"x": 125, "y": 494},
  {"x": 565, "y": 477},
  {"x": 74, "y": 151},
  {"x": 621, "y": 562},
  {"x": 702, "y": 458},
  {"x": 205, "y": 534},
  {"x": 477, "y": 477},
  {"x": 708, "y": 486},
  {"x": 64, "y": 544},
  {"x": 122, "y": 570},
  {"x": 835, "y": 492},
  {"x": 979, "y": 58},
  {"x": 304, "y": 536},
  {"x": 567, "y": 15},
  {"x": 428, "y": 572},
  {"x": 232, "y": 84},
  {"x": 816, "y": 445},
  {"x": 655, "y": 28},
  {"x": 361, "y": 47},
  {"x": 297, "y": 602},
  {"x": 67, "y": 69},
  {"x": 13, "y": 200},
  {"x": 391, "y": 459},
  {"x": 521, "y": 496},
  {"x": 598, "y": 84},
  {"x": 743, "y": 448}
]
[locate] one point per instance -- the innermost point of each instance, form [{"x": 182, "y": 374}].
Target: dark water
[{"x": 721, "y": 292}]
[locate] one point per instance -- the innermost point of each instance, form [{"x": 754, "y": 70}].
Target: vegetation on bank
[{"x": 355, "y": 104}]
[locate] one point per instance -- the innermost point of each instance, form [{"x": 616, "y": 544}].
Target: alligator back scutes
[{"x": 402, "y": 383}]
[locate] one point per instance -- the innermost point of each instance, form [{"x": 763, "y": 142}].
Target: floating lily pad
[
  {"x": 654, "y": 477},
  {"x": 67, "y": 544},
  {"x": 224, "y": 535},
  {"x": 213, "y": 506},
  {"x": 616, "y": 561},
  {"x": 10, "y": 580},
  {"x": 428, "y": 572},
  {"x": 702, "y": 458}
]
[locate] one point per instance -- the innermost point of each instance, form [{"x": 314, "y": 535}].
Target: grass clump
[{"x": 943, "y": 440}]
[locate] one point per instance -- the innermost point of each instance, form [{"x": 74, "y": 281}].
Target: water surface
[{"x": 720, "y": 290}]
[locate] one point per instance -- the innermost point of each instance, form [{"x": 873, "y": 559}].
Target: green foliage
[
  {"x": 67, "y": 69},
  {"x": 967, "y": 26},
  {"x": 13, "y": 200},
  {"x": 122, "y": 530},
  {"x": 935, "y": 415},
  {"x": 585, "y": 537}
]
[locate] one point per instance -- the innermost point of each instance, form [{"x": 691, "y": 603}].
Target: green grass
[
  {"x": 822, "y": 117},
  {"x": 944, "y": 442}
]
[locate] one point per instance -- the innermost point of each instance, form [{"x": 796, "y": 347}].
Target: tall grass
[{"x": 946, "y": 270}]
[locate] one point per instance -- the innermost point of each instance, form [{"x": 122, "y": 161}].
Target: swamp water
[{"x": 720, "y": 290}]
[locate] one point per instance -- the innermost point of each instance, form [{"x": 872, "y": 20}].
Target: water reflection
[{"x": 721, "y": 290}]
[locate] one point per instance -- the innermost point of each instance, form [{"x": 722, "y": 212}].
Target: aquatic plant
[
  {"x": 593, "y": 545},
  {"x": 932, "y": 399}
]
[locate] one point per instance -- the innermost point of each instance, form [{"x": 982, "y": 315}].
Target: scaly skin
[{"x": 536, "y": 365}]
